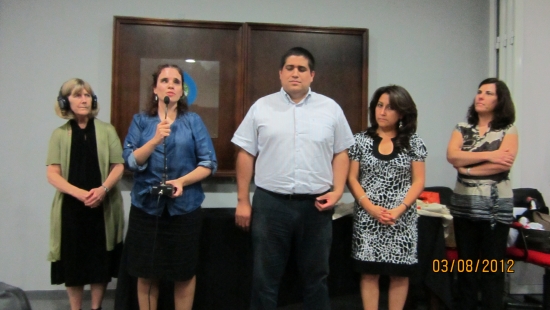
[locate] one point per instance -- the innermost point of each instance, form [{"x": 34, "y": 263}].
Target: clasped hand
[
  {"x": 93, "y": 197},
  {"x": 385, "y": 216}
]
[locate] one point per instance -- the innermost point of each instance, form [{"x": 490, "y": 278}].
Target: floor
[{"x": 58, "y": 301}]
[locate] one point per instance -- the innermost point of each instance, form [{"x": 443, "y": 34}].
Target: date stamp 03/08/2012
[{"x": 469, "y": 265}]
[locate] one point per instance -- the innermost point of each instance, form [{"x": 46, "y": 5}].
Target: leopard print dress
[{"x": 386, "y": 179}]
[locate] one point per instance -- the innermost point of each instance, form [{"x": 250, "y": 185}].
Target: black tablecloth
[
  {"x": 431, "y": 246},
  {"x": 224, "y": 273}
]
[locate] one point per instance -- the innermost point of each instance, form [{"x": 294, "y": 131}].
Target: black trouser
[
  {"x": 477, "y": 241},
  {"x": 278, "y": 225}
]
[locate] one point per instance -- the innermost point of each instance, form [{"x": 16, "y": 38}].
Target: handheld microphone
[{"x": 164, "y": 189}]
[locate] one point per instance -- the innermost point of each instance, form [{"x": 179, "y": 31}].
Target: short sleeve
[
  {"x": 418, "y": 151},
  {"x": 54, "y": 149},
  {"x": 511, "y": 130},
  {"x": 356, "y": 151},
  {"x": 246, "y": 136},
  {"x": 460, "y": 128},
  {"x": 343, "y": 137}
]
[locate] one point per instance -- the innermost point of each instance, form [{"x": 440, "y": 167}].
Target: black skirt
[{"x": 165, "y": 247}]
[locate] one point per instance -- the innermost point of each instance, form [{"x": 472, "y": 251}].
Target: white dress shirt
[{"x": 294, "y": 143}]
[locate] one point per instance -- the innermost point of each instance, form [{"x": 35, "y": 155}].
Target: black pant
[
  {"x": 476, "y": 241},
  {"x": 278, "y": 225}
]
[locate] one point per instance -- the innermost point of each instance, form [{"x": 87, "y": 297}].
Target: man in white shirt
[{"x": 299, "y": 140}]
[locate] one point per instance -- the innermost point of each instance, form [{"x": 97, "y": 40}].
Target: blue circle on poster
[{"x": 189, "y": 88}]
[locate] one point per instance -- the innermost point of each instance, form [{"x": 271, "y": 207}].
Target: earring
[
  {"x": 400, "y": 123},
  {"x": 156, "y": 97}
]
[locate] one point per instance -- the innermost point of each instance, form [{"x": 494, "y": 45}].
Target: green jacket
[{"x": 109, "y": 151}]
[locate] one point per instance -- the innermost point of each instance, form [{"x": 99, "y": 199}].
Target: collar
[{"x": 289, "y": 100}]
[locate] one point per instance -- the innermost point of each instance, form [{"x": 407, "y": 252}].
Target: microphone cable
[
  {"x": 164, "y": 178},
  {"x": 153, "y": 253},
  {"x": 165, "y": 172}
]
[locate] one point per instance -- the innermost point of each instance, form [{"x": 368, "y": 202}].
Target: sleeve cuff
[
  {"x": 132, "y": 164},
  {"x": 245, "y": 145},
  {"x": 210, "y": 165}
]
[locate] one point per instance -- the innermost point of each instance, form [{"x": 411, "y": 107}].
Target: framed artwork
[{"x": 227, "y": 66}]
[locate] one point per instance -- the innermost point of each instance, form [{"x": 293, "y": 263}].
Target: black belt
[
  {"x": 499, "y": 177},
  {"x": 293, "y": 196}
]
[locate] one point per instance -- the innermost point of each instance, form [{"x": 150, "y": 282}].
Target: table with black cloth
[
  {"x": 431, "y": 246},
  {"x": 224, "y": 272}
]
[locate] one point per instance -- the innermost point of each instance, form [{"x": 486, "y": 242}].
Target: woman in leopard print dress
[{"x": 386, "y": 176}]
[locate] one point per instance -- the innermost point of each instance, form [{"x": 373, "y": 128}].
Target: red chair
[
  {"x": 536, "y": 258},
  {"x": 452, "y": 254}
]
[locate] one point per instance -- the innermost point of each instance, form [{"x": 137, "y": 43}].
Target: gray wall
[
  {"x": 533, "y": 100},
  {"x": 436, "y": 49}
]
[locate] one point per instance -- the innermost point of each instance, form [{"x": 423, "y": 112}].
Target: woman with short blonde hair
[{"x": 84, "y": 165}]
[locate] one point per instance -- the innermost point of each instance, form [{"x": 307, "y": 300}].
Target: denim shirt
[{"x": 188, "y": 146}]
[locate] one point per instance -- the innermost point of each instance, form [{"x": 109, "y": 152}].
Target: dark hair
[
  {"x": 504, "y": 113},
  {"x": 402, "y": 102},
  {"x": 153, "y": 107},
  {"x": 299, "y": 51}
]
